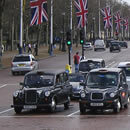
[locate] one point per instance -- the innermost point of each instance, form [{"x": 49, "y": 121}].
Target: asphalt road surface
[{"x": 70, "y": 119}]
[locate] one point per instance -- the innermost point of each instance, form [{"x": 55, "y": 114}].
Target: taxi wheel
[
  {"x": 17, "y": 110},
  {"x": 82, "y": 108},
  {"x": 118, "y": 108},
  {"x": 53, "y": 106}
]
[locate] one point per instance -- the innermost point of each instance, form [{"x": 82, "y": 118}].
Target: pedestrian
[
  {"x": 68, "y": 69},
  {"x": 76, "y": 61},
  {"x": 35, "y": 49},
  {"x": 24, "y": 47},
  {"x": 29, "y": 48}
]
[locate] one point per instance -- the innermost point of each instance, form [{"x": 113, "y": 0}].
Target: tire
[
  {"x": 66, "y": 105},
  {"x": 82, "y": 108},
  {"x": 126, "y": 105},
  {"x": 13, "y": 73},
  {"x": 118, "y": 108},
  {"x": 52, "y": 108},
  {"x": 17, "y": 110}
]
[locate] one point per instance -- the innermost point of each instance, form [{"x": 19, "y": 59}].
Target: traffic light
[
  {"x": 81, "y": 37},
  {"x": 68, "y": 38}
]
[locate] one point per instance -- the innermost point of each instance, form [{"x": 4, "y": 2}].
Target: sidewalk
[{"x": 42, "y": 54}]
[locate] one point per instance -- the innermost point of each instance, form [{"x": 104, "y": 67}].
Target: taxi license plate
[
  {"x": 30, "y": 106},
  {"x": 96, "y": 104}
]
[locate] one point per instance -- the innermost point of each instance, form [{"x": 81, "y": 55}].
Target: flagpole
[
  {"x": 21, "y": 29},
  {"x": 51, "y": 35},
  {"x": 99, "y": 33}
]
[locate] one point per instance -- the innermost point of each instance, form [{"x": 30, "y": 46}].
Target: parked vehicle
[
  {"x": 91, "y": 63},
  {"x": 114, "y": 45},
  {"x": 43, "y": 89},
  {"x": 75, "y": 79},
  {"x": 105, "y": 88},
  {"x": 99, "y": 44},
  {"x": 23, "y": 63}
]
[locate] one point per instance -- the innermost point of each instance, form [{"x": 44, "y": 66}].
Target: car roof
[
  {"x": 46, "y": 71},
  {"x": 92, "y": 59},
  {"x": 19, "y": 55},
  {"x": 106, "y": 70},
  {"x": 124, "y": 64}
]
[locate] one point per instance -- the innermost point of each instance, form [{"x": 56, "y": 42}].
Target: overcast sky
[{"x": 128, "y": 1}]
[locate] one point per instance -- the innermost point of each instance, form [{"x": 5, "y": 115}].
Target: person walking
[
  {"x": 29, "y": 48},
  {"x": 76, "y": 61}
]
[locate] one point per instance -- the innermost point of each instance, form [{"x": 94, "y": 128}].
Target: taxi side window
[
  {"x": 65, "y": 77},
  {"x": 58, "y": 79}
]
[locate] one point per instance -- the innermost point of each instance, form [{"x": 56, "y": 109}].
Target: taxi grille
[
  {"x": 97, "y": 96},
  {"x": 31, "y": 97}
]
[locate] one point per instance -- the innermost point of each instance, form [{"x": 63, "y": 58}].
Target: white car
[
  {"x": 88, "y": 45},
  {"x": 99, "y": 44},
  {"x": 23, "y": 63}
]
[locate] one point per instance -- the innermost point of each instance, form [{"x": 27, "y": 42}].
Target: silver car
[{"x": 23, "y": 63}]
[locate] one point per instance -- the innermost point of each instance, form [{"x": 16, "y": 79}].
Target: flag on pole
[
  {"x": 107, "y": 17},
  {"x": 39, "y": 11},
  {"x": 126, "y": 23},
  {"x": 118, "y": 21},
  {"x": 81, "y": 12}
]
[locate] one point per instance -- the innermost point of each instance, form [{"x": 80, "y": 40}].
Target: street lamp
[{"x": 63, "y": 42}]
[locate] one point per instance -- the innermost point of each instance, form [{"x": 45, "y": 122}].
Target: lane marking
[
  {"x": 111, "y": 64},
  {"x": 73, "y": 113},
  {"x": 3, "y": 86},
  {"x": 6, "y": 110}
]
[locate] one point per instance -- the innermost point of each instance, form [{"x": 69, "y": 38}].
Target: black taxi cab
[
  {"x": 105, "y": 88},
  {"x": 91, "y": 63},
  {"x": 43, "y": 89}
]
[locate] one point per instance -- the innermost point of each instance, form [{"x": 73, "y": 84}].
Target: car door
[
  {"x": 123, "y": 88},
  {"x": 67, "y": 88},
  {"x": 59, "y": 89}
]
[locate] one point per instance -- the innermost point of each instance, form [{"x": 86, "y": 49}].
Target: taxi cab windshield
[
  {"x": 76, "y": 78},
  {"x": 102, "y": 80},
  {"x": 38, "y": 81}
]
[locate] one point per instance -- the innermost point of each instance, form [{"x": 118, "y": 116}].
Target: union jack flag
[
  {"x": 126, "y": 24},
  {"x": 118, "y": 21},
  {"x": 107, "y": 17},
  {"x": 81, "y": 12},
  {"x": 39, "y": 11}
]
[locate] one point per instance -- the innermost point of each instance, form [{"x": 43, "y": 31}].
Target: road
[{"x": 62, "y": 119}]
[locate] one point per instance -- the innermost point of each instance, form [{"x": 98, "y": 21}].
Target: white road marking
[
  {"x": 6, "y": 110},
  {"x": 111, "y": 64},
  {"x": 73, "y": 113},
  {"x": 3, "y": 86}
]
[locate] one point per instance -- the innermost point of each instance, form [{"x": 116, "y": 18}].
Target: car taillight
[{"x": 32, "y": 63}]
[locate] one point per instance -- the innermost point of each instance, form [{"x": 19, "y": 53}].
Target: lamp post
[
  {"x": 63, "y": 42},
  {"x": 93, "y": 29}
]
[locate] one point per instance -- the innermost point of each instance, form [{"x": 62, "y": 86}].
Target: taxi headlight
[
  {"x": 16, "y": 94},
  {"x": 47, "y": 93},
  {"x": 112, "y": 95},
  {"x": 83, "y": 94}
]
